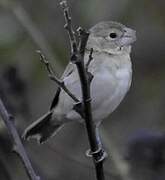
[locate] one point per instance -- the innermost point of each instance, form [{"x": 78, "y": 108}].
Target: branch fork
[{"x": 53, "y": 77}]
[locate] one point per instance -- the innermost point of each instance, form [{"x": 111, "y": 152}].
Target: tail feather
[{"x": 42, "y": 129}]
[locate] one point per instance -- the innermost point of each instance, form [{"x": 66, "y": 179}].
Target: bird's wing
[{"x": 68, "y": 70}]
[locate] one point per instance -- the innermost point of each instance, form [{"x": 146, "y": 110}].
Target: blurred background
[{"x": 133, "y": 135}]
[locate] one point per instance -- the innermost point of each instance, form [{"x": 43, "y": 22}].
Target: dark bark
[
  {"x": 77, "y": 57},
  {"x": 18, "y": 147}
]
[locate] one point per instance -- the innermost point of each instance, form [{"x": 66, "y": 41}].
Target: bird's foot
[{"x": 99, "y": 155}]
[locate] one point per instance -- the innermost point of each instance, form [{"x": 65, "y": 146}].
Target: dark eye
[{"x": 113, "y": 35}]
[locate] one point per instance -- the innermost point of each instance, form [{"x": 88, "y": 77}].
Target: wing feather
[{"x": 68, "y": 70}]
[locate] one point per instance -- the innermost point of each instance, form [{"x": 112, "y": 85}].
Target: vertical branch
[
  {"x": 96, "y": 150},
  {"x": 18, "y": 146},
  {"x": 77, "y": 57}
]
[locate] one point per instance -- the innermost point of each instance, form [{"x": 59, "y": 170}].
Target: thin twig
[
  {"x": 96, "y": 151},
  {"x": 46, "y": 63},
  {"x": 53, "y": 77},
  {"x": 69, "y": 28},
  {"x": 18, "y": 146},
  {"x": 89, "y": 74},
  {"x": 89, "y": 59}
]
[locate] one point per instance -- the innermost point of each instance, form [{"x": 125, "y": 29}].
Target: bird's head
[{"x": 111, "y": 37}]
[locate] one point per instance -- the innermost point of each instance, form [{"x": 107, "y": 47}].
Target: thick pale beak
[{"x": 129, "y": 37}]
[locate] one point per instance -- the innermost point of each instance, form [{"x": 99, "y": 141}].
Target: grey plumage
[
  {"x": 42, "y": 129},
  {"x": 112, "y": 71}
]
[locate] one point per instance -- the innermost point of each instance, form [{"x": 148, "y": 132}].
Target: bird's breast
[
  {"x": 111, "y": 81},
  {"x": 109, "y": 86}
]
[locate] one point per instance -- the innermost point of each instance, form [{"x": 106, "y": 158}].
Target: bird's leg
[
  {"x": 100, "y": 151},
  {"x": 98, "y": 136}
]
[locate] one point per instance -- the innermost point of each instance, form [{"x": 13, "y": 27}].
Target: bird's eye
[{"x": 113, "y": 35}]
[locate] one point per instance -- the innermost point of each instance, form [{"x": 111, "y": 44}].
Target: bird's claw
[{"x": 100, "y": 154}]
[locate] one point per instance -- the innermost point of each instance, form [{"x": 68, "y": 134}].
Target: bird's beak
[{"x": 129, "y": 37}]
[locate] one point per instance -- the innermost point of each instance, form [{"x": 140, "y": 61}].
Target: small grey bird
[{"x": 112, "y": 73}]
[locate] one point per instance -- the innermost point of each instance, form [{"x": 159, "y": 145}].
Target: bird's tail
[{"x": 42, "y": 129}]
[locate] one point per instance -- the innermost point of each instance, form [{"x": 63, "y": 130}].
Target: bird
[{"x": 111, "y": 68}]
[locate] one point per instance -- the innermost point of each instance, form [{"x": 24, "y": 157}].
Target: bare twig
[
  {"x": 46, "y": 63},
  {"x": 90, "y": 59},
  {"x": 77, "y": 57},
  {"x": 69, "y": 27},
  {"x": 96, "y": 150},
  {"x": 18, "y": 146},
  {"x": 89, "y": 74},
  {"x": 53, "y": 77}
]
